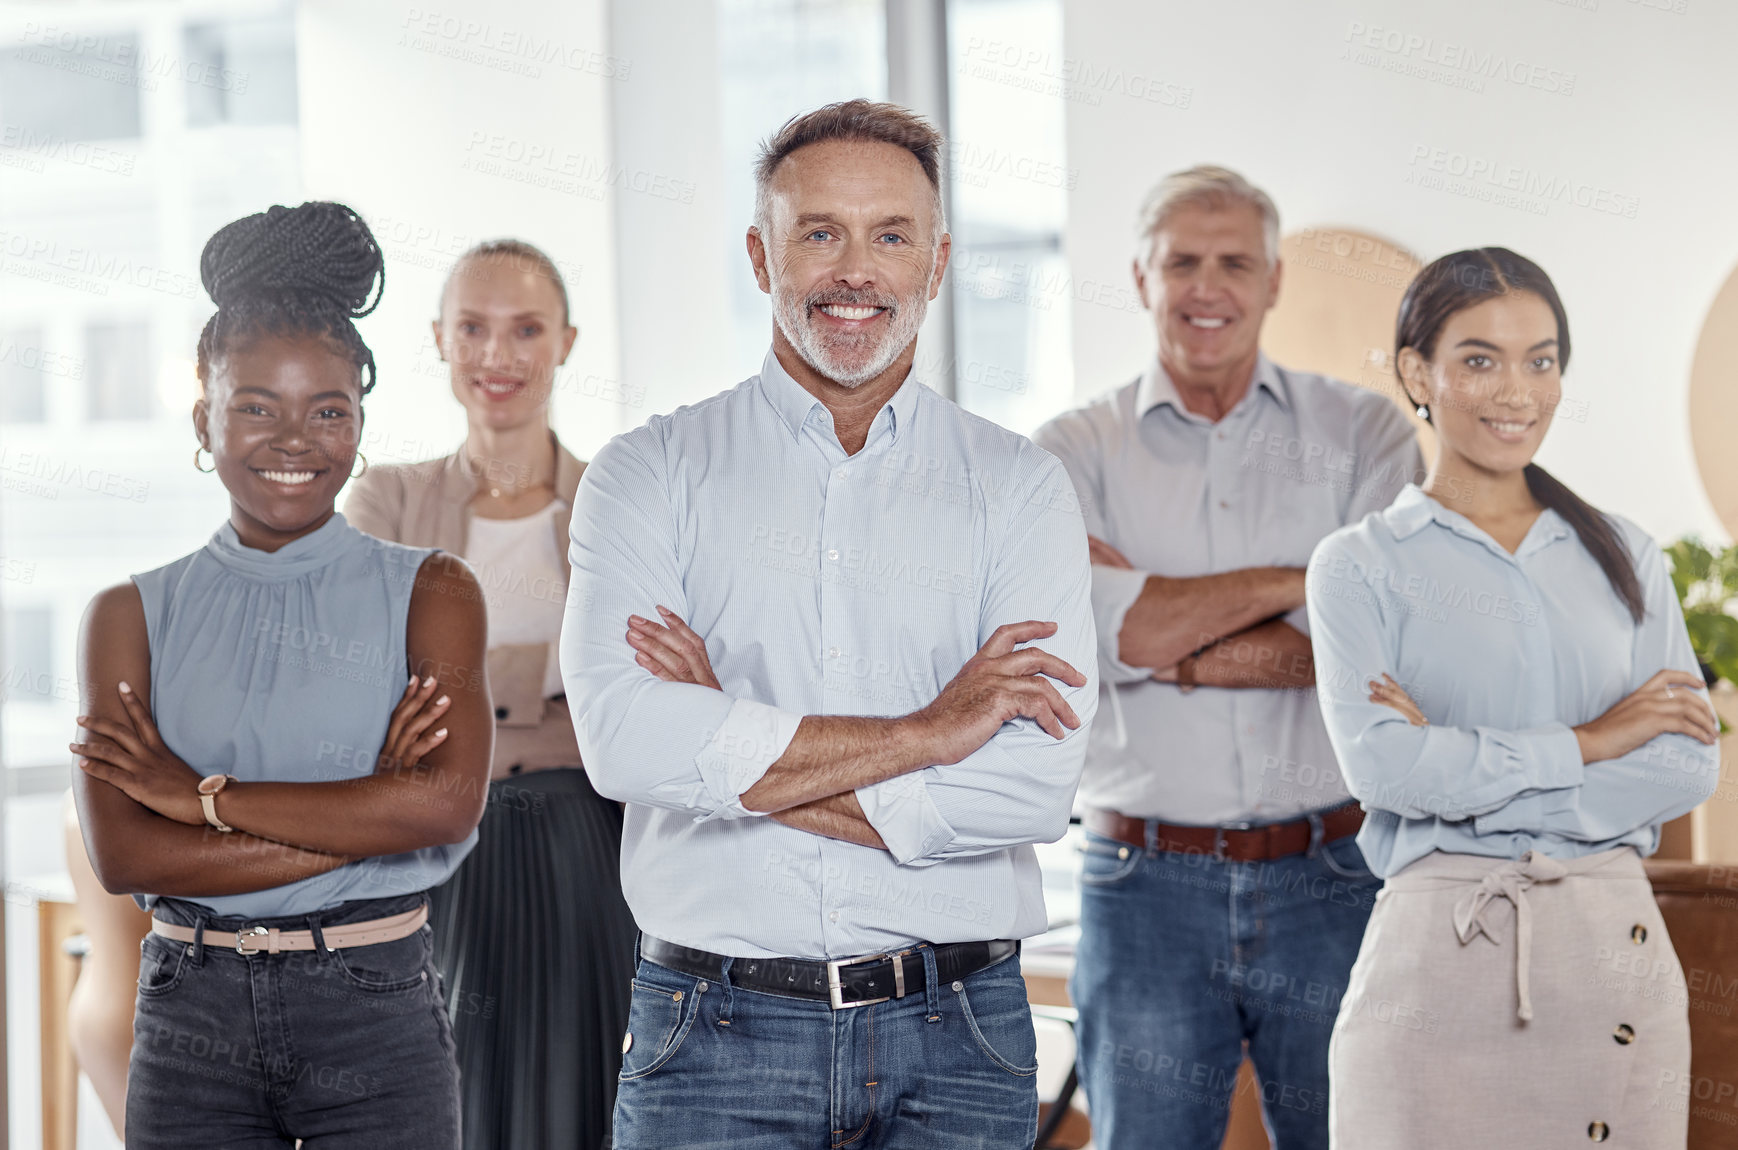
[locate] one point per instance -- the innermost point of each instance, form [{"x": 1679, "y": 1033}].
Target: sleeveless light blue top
[{"x": 285, "y": 666}]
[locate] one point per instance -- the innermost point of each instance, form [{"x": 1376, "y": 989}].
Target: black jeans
[{"x": 341, "y": 1049}]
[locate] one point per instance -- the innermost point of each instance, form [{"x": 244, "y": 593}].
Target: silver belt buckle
[
  {"x": 835, "y": 990},
  {"x": 241, "y": 937}
]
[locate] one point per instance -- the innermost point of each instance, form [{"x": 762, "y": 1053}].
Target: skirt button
[
  {"x": 1638, "y": 934},
  {"x": 1598, "y": 1131},
  {"x": 1625, "y": 1034}
]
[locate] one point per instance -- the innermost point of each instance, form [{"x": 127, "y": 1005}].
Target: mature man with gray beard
[{"x": 798, "y": 647}]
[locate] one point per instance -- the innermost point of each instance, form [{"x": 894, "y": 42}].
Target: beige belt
[
  {"x": 270, "y": 940},
  {"x": 1510, "y": 881}
]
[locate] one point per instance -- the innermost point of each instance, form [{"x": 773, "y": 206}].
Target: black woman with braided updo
[{"x": 286, "y": 742}]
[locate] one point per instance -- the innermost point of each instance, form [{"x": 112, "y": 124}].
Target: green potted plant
[{"x": 1706, "y": 580}]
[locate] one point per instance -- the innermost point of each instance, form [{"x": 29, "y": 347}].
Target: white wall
[
  {"x": 453, "y": 123},
  {"x": 1277, "y": 90}
]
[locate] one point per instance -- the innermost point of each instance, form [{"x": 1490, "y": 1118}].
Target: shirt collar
[
  {"x": 1156, "y": 387},
  {"x": 1413, "y": 510},
  {"x": 795, "y": 404}
]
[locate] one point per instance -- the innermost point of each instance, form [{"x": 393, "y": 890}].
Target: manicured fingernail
[
  {"x": 126, "y": 690},
  {"x": 635, "y": 619},
  {"x": 441, "y": 734},
  {"x": 663, "y": 610},
  {"x": 429, "y": 682},
  {"x": 443, "y": 700},
  {"x": 412, "y": 682}
]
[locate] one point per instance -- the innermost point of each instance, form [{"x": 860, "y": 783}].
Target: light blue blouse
[
  {"x": 285, "y": 665},
  {"x": 1504, "y": 654}
]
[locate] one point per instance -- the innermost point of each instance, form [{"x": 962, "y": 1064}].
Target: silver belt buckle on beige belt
[{"x": 242, "y": 937}]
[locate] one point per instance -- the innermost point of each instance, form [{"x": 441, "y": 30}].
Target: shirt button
[
  {"x": 833, "y": 916},
  {"x": 842, "y": 473},
  {"x": 832, "y": 652},
  {"x": 1250, "y": 728},
  {"x": 1638, "y": 934},
  {"x": 1598, "y": 1131},
  {"x": 1222, "y": 503},
  {"x": 1624, "y": 1034},
  {"x": 833, "y": 554}
]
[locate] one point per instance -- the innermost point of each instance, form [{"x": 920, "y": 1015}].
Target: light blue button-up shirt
[
  {"x": 1504, "y": 654},
  {"x": 1299, "y": 456},
  {"x": 824, "y": 584}
]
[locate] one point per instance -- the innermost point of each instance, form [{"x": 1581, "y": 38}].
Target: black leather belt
[{"x": 844, "y": 983}]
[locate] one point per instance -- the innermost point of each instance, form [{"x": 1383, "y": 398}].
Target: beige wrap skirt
[{"x": 1534, "y": 1003}]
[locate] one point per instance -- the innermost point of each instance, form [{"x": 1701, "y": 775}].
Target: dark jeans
[
  {"x": 341, "y": 1049},
  {"x": 713, "y": 1066},
  {"x": 1184, "y": 958}
]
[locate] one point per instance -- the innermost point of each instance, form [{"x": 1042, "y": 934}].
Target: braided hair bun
[{"x": 308, "y": 270}]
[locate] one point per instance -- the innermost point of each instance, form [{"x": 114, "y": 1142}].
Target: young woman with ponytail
[
  {"x": 255, "y": 767},
  {"x": 1510, "y": 689}
]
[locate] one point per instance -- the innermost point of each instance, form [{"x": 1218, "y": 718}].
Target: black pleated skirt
[{"x": 536, "y": 947}]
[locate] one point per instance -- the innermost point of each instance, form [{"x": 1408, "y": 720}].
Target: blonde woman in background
[{"x": 532, "y": 935}]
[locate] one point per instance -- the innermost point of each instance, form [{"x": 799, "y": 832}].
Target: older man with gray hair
[{"x": 1223, "y": 896}]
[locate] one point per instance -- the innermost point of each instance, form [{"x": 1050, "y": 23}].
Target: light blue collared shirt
[
  {"x": 1299, "y": 456},
  {"x": 824, "y": 584},
  {"x": 1504, "y": 654}
]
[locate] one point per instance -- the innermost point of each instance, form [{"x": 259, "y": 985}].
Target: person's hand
[
  {"x": 1387, "y": 692},
  {"x": 1665, "y": 704},
  {"x": 673, "y": 652},
  {"x": 132, "y": 756},
  {"x": 1104, "y": 555},
  {"x": 408, "y": 737},
  {"x": 997, "y": 685}
]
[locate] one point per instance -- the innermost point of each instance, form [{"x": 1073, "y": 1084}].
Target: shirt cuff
[
  {"x": 1114, "y": 591},
  {"x": 905, "y": 817},
  {"x": 751, "y": 739},
  {"x": 1559, "y": 758}
]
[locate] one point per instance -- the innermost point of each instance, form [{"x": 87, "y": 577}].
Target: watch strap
[{"x": 208, "y": 803}]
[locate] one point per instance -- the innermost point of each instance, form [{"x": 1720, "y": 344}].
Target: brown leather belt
[
  {"x": 1254, "y": 844},
  {"x": 259, "y": 939}
]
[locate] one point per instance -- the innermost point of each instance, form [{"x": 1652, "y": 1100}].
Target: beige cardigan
[{"x": 428, "y": 505}]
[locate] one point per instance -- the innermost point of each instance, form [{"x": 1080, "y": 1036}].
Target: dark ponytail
[
  {"x": 308, "y": 270},
  {"x": 1465, "y": 279}
]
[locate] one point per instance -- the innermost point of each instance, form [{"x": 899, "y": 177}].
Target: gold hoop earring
[
  {"x": 206, "y": 470},
  {"x": 364, "y": 471}
]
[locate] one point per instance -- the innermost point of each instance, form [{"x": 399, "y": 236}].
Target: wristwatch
[
  {"x": 1186, "y": 674},
  {"x": 209, "y": 786}
]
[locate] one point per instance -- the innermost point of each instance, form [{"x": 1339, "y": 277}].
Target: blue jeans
[
  {"x": 345, "y": 1050},
  {"x": 708, "y": 1065},
  {"x": 1183, "y": 958}
]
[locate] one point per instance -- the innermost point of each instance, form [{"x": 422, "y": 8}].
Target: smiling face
[
  {"x": 281, "y": 415},
  {"x": 503, "y": 334},
  {"x": 850, "y": 256},
  {"x": 1492, "y": 381},
  {"x": 1208, "y": 285}
]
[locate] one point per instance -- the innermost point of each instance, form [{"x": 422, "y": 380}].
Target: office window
[
  {"x": 241, "y": 71},
  {"x": 72, "y": 86},
  {"x": 120, "y": 379},
  {"x": 28, "y": 676},
  {"x": 1010, "y": 185},
  {"x": 23, "y": 381}
]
